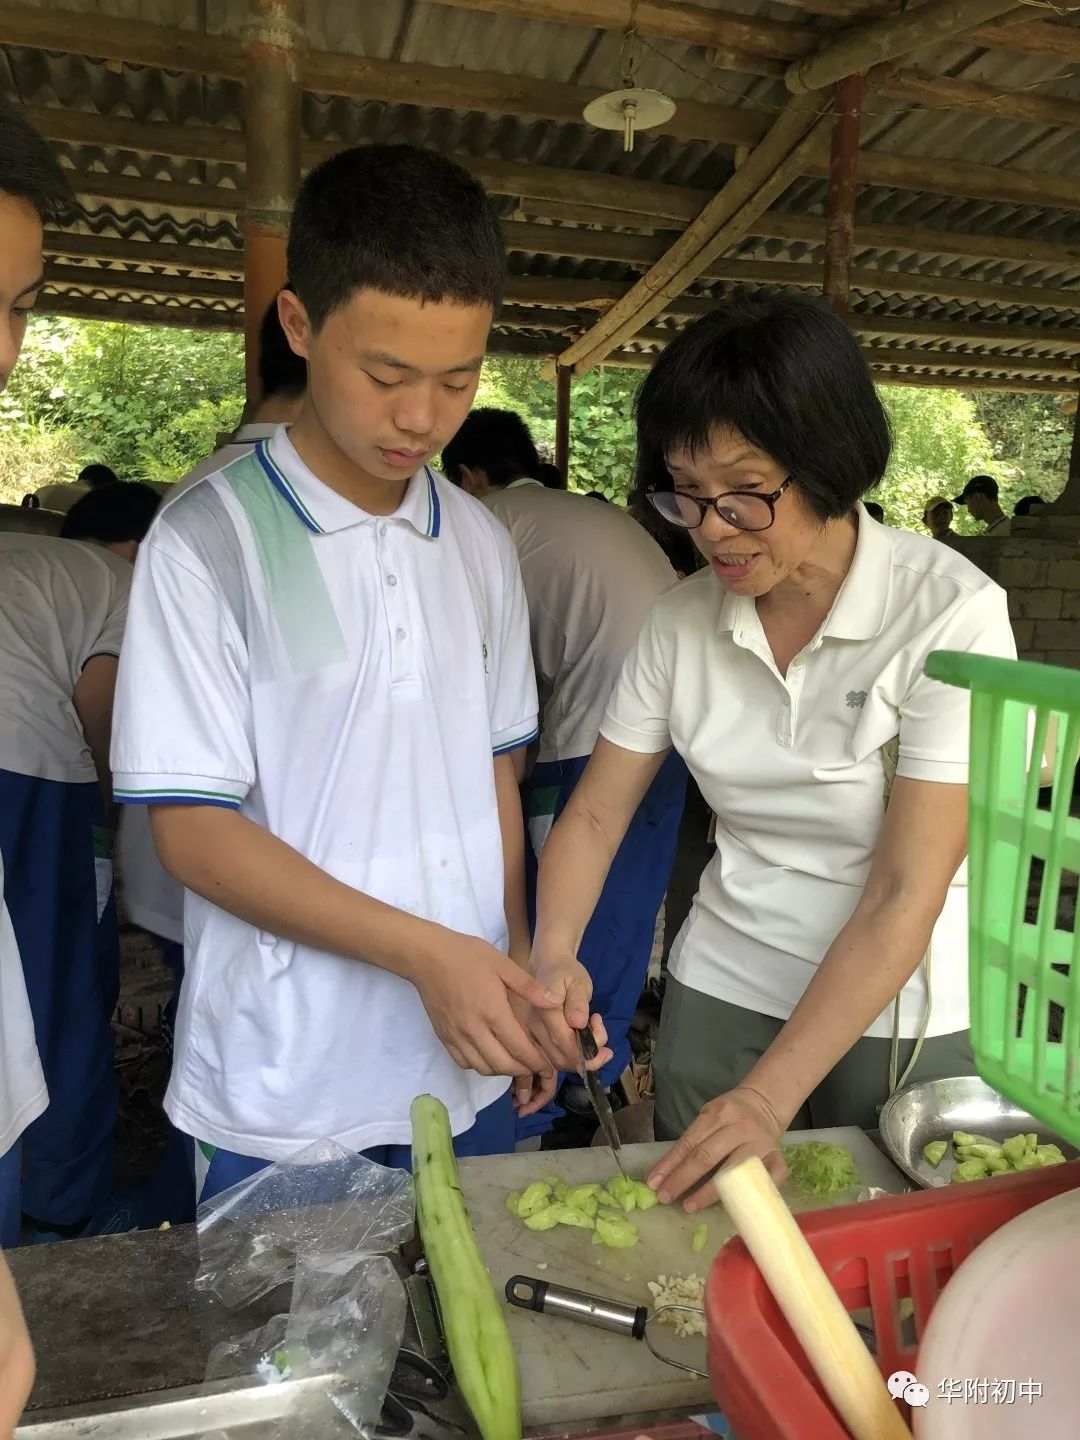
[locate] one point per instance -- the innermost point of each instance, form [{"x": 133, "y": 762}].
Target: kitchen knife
[{"x": 600, "y": 1102}]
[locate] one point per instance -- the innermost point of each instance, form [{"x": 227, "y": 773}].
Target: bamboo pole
[
  {"x": 840, "y": 205},
  {"x": 768, "y": 171},
  {"x": 874, "y": 43}
]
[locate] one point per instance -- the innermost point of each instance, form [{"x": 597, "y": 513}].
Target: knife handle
[
  {"x": 546, "y": 1299},
  {"x": 587, "y": 1042}
]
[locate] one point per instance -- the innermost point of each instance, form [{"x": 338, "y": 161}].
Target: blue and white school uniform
[
  {"x": 342, "y": 680},
  {"x": 61, "y": 604}
]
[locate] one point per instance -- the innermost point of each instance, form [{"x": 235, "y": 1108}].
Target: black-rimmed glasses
[{"x": 744, "y": 509}]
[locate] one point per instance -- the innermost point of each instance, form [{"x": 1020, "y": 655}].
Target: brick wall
[{"x": 1042, "y": 577}]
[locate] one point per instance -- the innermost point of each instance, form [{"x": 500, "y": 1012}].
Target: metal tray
[{"x": 934, "y": 1109}]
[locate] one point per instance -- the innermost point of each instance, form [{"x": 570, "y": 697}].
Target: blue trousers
[
  {"x": 10, "y": 1196},
  {"x": 492, "y": 1133},
  {"x": 55, "y": 852},
  {"x": 618, "y": 940}
]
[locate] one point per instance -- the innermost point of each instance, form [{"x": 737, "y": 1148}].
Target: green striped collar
[{"x": 324, "y": 511}]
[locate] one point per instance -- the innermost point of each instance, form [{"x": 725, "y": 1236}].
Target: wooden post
[
  {"x": 272, "y": 43},
  {"x": 840, "y": 212},
  {"x": 563, "y": 379}
]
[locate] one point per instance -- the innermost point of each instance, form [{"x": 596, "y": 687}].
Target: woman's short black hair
[
  {"x": 28, "y": 168},
  {"x": 496, "y": 441},
  {"x": 112, "y": 513},
  {"x": 394, "y": 218},
  {"x": 785, "y": 372}
]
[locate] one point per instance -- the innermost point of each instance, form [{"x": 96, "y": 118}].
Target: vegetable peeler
[{"x": 632, "y": 1320}]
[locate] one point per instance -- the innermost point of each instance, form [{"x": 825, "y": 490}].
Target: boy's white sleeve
[
  {"x": 512, "y": 702},
  {"x": 182, "y": 720}
]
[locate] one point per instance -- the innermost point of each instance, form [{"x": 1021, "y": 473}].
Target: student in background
[
  {"x": 875, "y": 511},
  {"x": 62, "y": 495},
  {"x": 1030, "y": 505},
  {"x": 980, "y": 496},
  {"x": 550, "y": 475},
  {"x": 282, "y": 382},
  {"x": 61, "y": 611},
  {"x": 591, "y": 575},
  {"x": 938, "y": 518},
  {"x": 324, "y": 683}
]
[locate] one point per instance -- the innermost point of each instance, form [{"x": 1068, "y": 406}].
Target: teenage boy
[
  {"x": 61, "y": 614},
  {"x": 325, "y": 682}
]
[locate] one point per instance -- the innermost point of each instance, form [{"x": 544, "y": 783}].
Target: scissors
[{"x": 415, "y": 1384}]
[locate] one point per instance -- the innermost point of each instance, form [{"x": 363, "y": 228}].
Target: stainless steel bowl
[{"x": 933, "y": 1110}]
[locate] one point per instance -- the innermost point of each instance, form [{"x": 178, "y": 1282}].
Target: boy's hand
[
  {"x": 16, "y": 1356},
  {"x": 467, "y": 987},
  {"x": 564, "y": 976}
]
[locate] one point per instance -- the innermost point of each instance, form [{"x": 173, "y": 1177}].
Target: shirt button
[
  {"x": 402, "y": 633},
  {"x": 382, "y": 529},
  {"x": 391, "y": 579}
]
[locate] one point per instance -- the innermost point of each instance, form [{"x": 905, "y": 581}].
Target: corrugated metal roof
[{"x": 415, "y": 31}]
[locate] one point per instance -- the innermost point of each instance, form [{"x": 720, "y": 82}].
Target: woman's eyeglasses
[{"x": 744, "y": 509}]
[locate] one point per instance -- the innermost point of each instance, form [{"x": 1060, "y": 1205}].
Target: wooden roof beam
[
  {"x": 737, "y": 36},
  {"x": 878, "y": 41},
  {"x": 433, "y": 86},
  {"x": 766, "y": 173},
  {"x": 586, "y": 293},
  {"x": 664, "y": 205}
]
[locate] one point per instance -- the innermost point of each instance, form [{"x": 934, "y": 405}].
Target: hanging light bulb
[{"x": 630, "y": 109}]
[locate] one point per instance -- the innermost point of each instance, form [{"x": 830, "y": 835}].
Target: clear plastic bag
[
  {"x": 320, "y": 1221},
  {"x": 324, "y": 1199},
  {"x": 333, "y": 1355}
]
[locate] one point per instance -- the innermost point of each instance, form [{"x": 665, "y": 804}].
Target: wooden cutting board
[{"x": 572, "y": 1372}]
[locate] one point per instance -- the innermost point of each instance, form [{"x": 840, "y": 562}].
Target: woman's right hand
[
  {"x": 561, "y": 973},
  {"x": 16, "y": 1356}
]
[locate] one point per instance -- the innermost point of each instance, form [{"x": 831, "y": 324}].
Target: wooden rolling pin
[{"x": 801, "y": 1288}]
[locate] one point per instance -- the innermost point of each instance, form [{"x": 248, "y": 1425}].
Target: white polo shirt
[
  {"x": 61, "y": 603},
  {"x": 23, "y": 1095},
  {"x": 342, "y": 679},
  {"x": 245, "y": 440},
  {"x": 591, "y": 575},
  {"x": 793, "y": 766}
]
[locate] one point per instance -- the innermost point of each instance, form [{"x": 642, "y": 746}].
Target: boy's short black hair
[
  {"x": 395, "y": 218},
  {"x": 95, "y": 475},
  {"x": 496, "y": 441},
  {"x": 550, "y": 475},
  {"x": 875, "y": 511},
  {"x": 1029, "y": 505},
  {"x": 786, "y": 373},
  {"x": 28, "y": 168},
  {"x": 281, "y": 370},
  {"x": 112, "y": 513}
]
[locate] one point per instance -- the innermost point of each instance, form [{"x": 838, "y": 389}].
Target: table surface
[{"x": 118, "y": 1317}]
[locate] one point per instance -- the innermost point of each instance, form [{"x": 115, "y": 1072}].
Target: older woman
[{"x": 823, "y": 961}]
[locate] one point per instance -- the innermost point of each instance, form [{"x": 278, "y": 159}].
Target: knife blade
[{"x": 600, "y": 1102}]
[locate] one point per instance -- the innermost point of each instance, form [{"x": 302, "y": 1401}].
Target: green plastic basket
[{"x": 1024, "y": 970}]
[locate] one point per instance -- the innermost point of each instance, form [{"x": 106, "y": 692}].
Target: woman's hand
[
  {"x": 16, "y": 1356},
  {"x": 561, "y": 973},
  {"x": 729, "y": 1130}
]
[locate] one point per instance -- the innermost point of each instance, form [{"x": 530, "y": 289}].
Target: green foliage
[
  {"x": 152, "y": 402},
  {"x": 32, "y": 455},
  {"x": 149, "y": 402},
  {"x": 938, "y": 444},
  {"x": 1031, "y": 438},
  {"x": 602, "y": 441}
]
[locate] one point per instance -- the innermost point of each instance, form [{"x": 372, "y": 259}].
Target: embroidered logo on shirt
[{"x": 856, "y": 699}]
